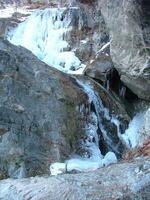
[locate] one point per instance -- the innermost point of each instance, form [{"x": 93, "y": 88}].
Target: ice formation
[
  {"x": 131, "y": 135},
  {"x": 43, "y": 33}
]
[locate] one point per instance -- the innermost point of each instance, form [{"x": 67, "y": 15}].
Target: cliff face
[{"x": 129, "y": 27}]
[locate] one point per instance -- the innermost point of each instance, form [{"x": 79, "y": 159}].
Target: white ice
[
  {"x": 109, "y": 158},
  {"x": 82, "y": 165},
  {"x": 43, "y": 34},
  {"x": 57, "y": 168},
  {"x": 131, "y": 135}
]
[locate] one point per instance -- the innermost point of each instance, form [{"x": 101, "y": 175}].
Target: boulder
[
  {"x": 128, "y": 22},
  {"x": 39, "y": 120}
]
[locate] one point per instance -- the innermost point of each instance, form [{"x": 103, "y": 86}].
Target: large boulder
[
  {"x": 43, "y": 114},
  {"x": 39, "y": 120},
  {"x": 128, "y": 22},
  {"x": 128, "y": 180}
]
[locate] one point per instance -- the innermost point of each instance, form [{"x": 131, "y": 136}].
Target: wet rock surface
[{"x": 122, "y": 181}]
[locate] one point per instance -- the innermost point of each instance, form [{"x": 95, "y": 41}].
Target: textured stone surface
[
  {"x": 129, "y": 24},
  {"x": 128, "y": 181},
  {"x": 39, "y": 123}
]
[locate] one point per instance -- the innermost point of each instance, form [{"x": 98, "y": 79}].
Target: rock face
[
  {"x": 120, "y": 181},
  {"x": 39, "y": 123},
  {"x": 129, "y": 24}
]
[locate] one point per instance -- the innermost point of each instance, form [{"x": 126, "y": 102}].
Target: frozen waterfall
[
  {"x": 43, "y": 33},
  {"x": 91, "y": 141},
  {"x": 96, "y": 160}
]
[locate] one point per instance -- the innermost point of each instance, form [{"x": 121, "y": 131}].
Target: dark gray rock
[
  {"x": 39, "y": 123},
  {"x": 43, "y": 114}
]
